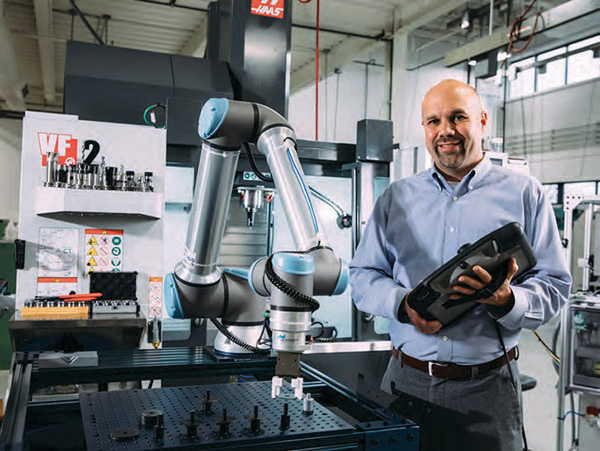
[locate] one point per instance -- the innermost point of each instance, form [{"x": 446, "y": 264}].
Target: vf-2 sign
[
  {"x": 269, "y": 8},
  {"x": 64, "y": 145}
]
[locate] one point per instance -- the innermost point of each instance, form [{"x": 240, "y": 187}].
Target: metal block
[{"x": 374, "y": 140}]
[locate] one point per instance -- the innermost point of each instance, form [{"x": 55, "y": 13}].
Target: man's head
[{"x": 453, "y": 120}]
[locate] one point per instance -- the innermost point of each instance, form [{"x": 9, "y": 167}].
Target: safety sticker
[
  {"x": 155, "y": 287},
  {"x": 104, "y": 250}
]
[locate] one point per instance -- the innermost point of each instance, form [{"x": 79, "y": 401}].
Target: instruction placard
[
  {"x": 57, "y": 252},
  {"x": 103, "y": 250},
  {"x": 155, "y": 301}
]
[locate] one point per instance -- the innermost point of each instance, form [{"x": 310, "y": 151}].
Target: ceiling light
[
  {"x": 503, "y": 56},
  {"x": 465, "y": 21},
  {"x": 472, "y": 62}
]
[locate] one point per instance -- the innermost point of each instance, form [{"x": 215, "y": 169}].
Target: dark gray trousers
[{"x": 480, "y": 414}]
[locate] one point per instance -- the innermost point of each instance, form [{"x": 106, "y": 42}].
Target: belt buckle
[{"x": 430, "y": 366}]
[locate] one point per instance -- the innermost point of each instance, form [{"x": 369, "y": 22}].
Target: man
[{"x": 455, "y": 381}]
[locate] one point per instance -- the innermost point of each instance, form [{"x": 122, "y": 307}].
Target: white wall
[
  {"x": 358, "y": 92},
  {"x": 536, "y": 119},
  {"x": 410, "y": 83},
  {"x": 10, "y": 167}
]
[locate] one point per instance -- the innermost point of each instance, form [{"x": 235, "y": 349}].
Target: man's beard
[{"x": 451, "y": 159}]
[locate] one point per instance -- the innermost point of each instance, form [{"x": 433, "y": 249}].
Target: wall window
[
  {"x": 583, "y": 66},
  {"x": 524, "y": 83},
  {"x": 551, "y": 74},
  {"x": 549, "y": 70}
]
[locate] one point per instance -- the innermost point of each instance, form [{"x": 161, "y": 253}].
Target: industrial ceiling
[{"x": 34, "y": 33}]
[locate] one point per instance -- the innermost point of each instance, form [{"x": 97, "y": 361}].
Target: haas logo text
[{"x": 269, "y": 8}]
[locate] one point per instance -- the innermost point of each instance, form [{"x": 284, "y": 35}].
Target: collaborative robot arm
[{"x": 198, "y": 288}]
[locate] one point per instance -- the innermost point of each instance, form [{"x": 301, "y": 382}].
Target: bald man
[{"x": 455, "y": 381}]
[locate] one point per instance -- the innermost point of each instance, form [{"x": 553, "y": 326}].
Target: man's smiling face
[{"x": 453, "y": 121}]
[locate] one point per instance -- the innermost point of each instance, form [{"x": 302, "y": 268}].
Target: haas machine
[{"x": 198, "y": 288}]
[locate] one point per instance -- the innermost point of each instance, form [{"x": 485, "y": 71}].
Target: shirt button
[
  {"x": 445, "y": 338},
  {"x": 454, "y": 198},
  {"x": 452, "y": 229}
]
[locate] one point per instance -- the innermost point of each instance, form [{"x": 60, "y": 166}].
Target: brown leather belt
[{"x": 452, "y": 370}]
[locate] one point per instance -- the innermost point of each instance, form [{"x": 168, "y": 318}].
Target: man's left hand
[{"x": 501, "y": 297}]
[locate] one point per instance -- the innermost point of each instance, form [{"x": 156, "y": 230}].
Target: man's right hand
[{"x": 422, "y": 325}]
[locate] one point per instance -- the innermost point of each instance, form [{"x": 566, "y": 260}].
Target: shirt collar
[{"x": 473, "y": 178}]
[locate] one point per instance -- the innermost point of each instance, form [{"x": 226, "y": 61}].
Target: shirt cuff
[
  {"x": 401, "y": 293},
  {"x": 514, "y": 317}
]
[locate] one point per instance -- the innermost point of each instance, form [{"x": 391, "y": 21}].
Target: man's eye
[
  {"x": 433, "y": 121},
  {"x": 460, "y": 117}
]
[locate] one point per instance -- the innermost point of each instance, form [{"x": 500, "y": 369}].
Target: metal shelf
[{"x": 68, "y": 202}]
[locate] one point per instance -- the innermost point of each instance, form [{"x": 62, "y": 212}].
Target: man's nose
[{"x": 446, "y": 128}]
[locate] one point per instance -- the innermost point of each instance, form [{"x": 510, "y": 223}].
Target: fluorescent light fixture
[{"x": 472, "y": 62}]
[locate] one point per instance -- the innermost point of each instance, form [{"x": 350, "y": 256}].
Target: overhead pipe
[
  {"x": 43, "y": 21},
  {"x": 12, "y": 87}
]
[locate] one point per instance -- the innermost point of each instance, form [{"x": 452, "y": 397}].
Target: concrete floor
[{"x": 540, "y": 403}]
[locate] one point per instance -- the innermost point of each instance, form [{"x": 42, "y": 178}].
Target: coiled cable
[{"x": 286, "y": 288}]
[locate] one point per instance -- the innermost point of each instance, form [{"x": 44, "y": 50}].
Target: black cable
[
  {"x": 286, "y": 288},
  {"x": 512, "y": 380},
  {"x": 221, "y": 328},
  {"x": 322, "y": 329},
  {"x": 252, "y": 161},
  {"x": 555, "y": 335},
  {"x": 259, "y": 341},
  {"x": 86, "y": 23},
  {"x": 330, "y": 339}
]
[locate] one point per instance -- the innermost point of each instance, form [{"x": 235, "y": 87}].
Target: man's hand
[
  {"x": 423, "y": 326},
  {"x": 503, "y": 295}
]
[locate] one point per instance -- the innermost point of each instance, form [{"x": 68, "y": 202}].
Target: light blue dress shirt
[{"x": 420, "y": 222}]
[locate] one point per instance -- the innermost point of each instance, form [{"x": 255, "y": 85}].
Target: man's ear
[{"x": 484, "y": 118}]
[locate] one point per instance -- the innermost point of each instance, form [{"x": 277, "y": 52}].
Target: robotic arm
[{"x": 198, "y": 288}]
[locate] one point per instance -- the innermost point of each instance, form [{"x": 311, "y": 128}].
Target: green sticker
[
  {"x": 116, "y": 240},
  {"x": 116, "y": 251}
]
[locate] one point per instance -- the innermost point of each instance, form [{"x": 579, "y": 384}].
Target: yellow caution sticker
[
  {"x": 92, "y": 251},
  {"x": 92, "y": 241},
  {"x": 92, "y": 262}
]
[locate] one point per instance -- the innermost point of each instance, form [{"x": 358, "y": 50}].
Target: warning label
[
  {"x": 104, "y": 250},
  {"x": 155, "y": 301},
  {"x": 269, "y": 8}
]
